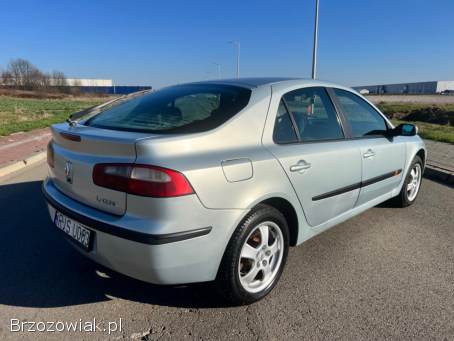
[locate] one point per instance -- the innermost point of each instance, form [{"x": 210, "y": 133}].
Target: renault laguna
[{"x": 214, "y": 181}]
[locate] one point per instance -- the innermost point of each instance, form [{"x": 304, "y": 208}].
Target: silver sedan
[{"x": 214, "y": 181}]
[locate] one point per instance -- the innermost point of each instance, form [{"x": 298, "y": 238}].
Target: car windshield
[{"x": 178, "y": 109}]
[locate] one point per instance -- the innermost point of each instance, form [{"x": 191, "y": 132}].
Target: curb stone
[
  {"x": 440, "y": 174},
  {"x": 7, "y": 170}
]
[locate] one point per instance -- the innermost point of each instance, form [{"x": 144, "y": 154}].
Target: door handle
[
  {"x": 369, "y": 153},
  {"x": 301, "y": 166}
]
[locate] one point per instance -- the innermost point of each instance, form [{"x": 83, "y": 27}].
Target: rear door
[
  {"x": 323, "y": 167},
  {"x": 383, "y": 157}
]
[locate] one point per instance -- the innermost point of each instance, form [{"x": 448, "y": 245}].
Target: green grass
[
  {"x": 24, "y": 114},
  {"x": 437, "y": 132},
  {"x": 415, "y": 113},
  {"x": 393, "y": 107},
  {"x": 406, "y": 108}
]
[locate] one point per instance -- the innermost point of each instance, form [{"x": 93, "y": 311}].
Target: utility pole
[
  {"x": 219, "y": 69},
  {"x": 314, "y": 52},
  {"x": 238, "y": 46}
]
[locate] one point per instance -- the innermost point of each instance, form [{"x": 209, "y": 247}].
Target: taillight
[
  {"x": 50, "y": 154},
  {"x": 114, "y": 176},
  {"x": 144, "y": 180}
]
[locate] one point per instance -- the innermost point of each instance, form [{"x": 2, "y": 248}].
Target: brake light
[
  {"x": 144, "y": 180},
  {"x": 50, "y": 154}
]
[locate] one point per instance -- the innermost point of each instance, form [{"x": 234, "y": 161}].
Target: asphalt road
[{"x": 386, "y": 274}]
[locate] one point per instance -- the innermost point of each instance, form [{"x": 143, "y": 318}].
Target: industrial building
[
  {"x": 434, "y": 87},
  {"x": 103, "y": 86},
  {"x": 88, "y": 82},
  {"x": 84, "y": 85}
]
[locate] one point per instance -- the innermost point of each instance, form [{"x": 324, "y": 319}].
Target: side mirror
[{"x": 405, "y": 129}]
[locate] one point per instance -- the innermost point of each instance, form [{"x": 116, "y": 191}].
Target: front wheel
[
  {"x": 255, "y": 256},
  {"x": 412, "y": 183}
]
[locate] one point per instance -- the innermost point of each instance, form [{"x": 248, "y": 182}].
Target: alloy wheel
[
  {"x": 415, "y": 182},
  {"x": 261, "y": 257}
]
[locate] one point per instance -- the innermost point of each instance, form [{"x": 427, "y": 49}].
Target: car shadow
[
  {"x": 41, "y": 269},
  {"x": 427, "y": 175},
  {"x": 438, "y": 178}
]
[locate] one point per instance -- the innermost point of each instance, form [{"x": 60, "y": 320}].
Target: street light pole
[
  {"x": 219, "y": 69},
  {"x": 238, "y": 46},
  {"x": 314, "y": 52}
]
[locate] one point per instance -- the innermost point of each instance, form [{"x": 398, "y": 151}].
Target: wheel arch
[
  {"x": 289, "y": 212},
  {"x": 422, "y": 154}
]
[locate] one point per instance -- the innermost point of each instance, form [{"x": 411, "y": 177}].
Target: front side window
[
  {"x": 364, "y": 120},
  {"x": 314, "y": 114},
  {"x": 179, "y": 109}
]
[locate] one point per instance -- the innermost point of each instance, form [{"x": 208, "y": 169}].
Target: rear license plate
[{"x": 78, "y": 232}]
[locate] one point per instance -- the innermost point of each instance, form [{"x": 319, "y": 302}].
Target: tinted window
[
  {"x": 362, "y": 117},
  {"x": 178, "y": 109},
  {"x": 314, "y": 114},
  {"x": 284, "y": 131}
]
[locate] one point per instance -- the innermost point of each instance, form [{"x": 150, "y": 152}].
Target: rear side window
[
  {"x": 179, "y": 109},
  {"x": 314, "y": 114},
  {"x": 284, "y": 132},
  {"x": 364, "y": 120}
]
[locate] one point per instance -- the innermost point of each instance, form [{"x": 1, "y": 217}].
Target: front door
[
  {"x": 383, "y": 157},
  {"x": 323, "y": 167}
]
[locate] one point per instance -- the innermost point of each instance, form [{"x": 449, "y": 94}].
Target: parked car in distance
[{"x": 214, "y": 181}]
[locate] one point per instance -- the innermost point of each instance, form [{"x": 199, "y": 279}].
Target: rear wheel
[
  {"x": 255, "y": 256},
  {"x": 412, "y": 183}
]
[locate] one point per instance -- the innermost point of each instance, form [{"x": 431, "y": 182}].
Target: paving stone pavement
[
  {"x": 20, "y": 146},
  {"x": 440, "y": 154}
]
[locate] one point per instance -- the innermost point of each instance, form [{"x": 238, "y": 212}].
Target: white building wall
[
  {"x": 88, "y": 82},
  {"x": 445, "y": 85}
]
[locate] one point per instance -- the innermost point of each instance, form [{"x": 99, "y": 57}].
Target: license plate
[{"x": 77, "y": 231}]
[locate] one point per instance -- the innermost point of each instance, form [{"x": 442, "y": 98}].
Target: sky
[{"x": 166, "y": 42}]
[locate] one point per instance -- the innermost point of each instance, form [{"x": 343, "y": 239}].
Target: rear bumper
[
  {"x": 138, "y": 247},
  {"x": 145, "y": 238}
]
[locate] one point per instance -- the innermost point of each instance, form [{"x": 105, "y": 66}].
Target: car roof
[
  {"x": 255, "y": 82},
  {"x": 252, "y": 82}
]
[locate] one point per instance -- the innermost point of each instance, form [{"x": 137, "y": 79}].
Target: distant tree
[
  {"x": 58, "y": 81},
  {"x": 7, "y": 78},
  {"x": 23, "y": 73},
  {"x": 76, "y": 87},
  {"x": 40, "y": 80}
]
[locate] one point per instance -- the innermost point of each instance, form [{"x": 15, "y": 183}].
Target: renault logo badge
[{"x": 69, "y": 172}]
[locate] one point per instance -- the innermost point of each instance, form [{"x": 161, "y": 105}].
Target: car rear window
[{"x": 178, "y": 109}]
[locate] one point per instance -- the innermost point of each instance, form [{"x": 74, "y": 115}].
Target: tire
[
  {"x": 407, "y": 197},
  {"x": 236, "y": 281}
]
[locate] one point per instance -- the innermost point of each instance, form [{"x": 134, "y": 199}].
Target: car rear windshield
[{"x": 178, "y": 109}]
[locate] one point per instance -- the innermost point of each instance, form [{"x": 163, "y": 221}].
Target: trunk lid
[{"x": 77, "y": 150}]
